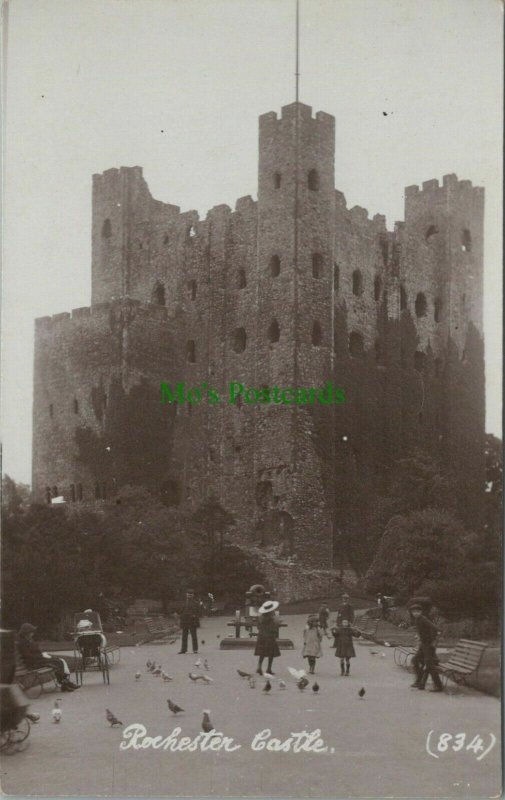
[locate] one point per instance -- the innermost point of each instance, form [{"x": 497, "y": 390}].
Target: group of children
[{"x": 317, "y": 626}]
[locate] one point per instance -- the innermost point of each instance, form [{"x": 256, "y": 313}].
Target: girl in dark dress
[
  {"x": 344, "y": 648},
  {"x": 266, "y": 644}
]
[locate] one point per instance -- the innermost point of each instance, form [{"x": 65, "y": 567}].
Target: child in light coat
[{"x": 312, "y": 636}]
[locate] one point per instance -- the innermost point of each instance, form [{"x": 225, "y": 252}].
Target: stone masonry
[{"x": 291, "y": 290}]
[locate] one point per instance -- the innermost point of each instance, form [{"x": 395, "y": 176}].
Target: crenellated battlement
[{"x": 118, "y": 307}]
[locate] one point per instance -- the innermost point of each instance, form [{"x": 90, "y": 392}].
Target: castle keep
[{"x": 293, "y": 289}]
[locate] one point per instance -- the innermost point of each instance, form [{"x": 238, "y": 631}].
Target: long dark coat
[
  {"x": 266, "y": 644},
  {"x": 343, "y": 645}
]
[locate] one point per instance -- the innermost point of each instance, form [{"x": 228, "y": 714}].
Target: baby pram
[
  {"x": 14, "y": 725},
  {"x": 90, "y": 646}
]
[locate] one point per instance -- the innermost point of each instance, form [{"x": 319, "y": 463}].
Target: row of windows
[
  {"x": 421, "y": 304},
  {"x": 312, "y": 180},
  {"x": 76, "y": 492},
  {"x": 466, "y": 237},
  {"x": 107, "y": 233}
]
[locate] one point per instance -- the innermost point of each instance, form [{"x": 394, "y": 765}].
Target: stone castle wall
[{"x": 293, "y": 289}]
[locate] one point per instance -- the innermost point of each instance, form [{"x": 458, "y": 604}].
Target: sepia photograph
[{"x": 251, "y": 398}]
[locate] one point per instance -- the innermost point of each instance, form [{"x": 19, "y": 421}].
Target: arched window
[
  {"x": 317, "y": 265},
  {"x": 420, "y": 361},
  {"x": 191, "y": 351},
  {"x": 357, "y": 283},
  {"x": 76, "y": 406},
  {"x": 241, "y": 279},
  {"x": 377, "y": 288},
  {"x": 274, "y": 332},
  {"x": 466, "y": 240},
  {"x": 79, "y": 491},
  {"x": 421, "y": 305},
  {"x": 158, "y": 297},
  {"x": 106, "y": 229},
  {"x": 336, "y": 278},
  {"x": 239, "y": 340},
  {"x": 356, "y": 345},
  {"x": 72, "y": 492},
  {"x": 317, "y": 334},
  {"x": 403, "y": 298},
  {"x": 437, "y": 313},
  {"x": 48, "y": 495},
  {"x": 277, "y": 180},
  {"x": 275, "y": 266},
  {"x": 192, "y": 289},
  {"x": 313, "y": 180},
  {"x": 192, "y": 231},
  {"x": 431, "y": 232}
]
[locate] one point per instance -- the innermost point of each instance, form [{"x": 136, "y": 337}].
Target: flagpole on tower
[{"x": 297, "y": 66}]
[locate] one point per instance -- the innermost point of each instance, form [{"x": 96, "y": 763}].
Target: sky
[{"x": 176, "y": 86}]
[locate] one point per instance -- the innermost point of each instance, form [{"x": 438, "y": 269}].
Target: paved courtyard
[{"x": 376, "y": 746}]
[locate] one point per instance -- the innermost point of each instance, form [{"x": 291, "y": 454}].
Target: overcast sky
[{"x": 176, "y": 86}]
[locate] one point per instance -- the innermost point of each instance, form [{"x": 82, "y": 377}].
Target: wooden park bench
[
  {"x": 33, "y": 681},
  {"x": 464, "y": 661},
  {"x": 367, "y": 626},
  {"x": 403, "y": 653},
  {"x": 158, "y": 628}
]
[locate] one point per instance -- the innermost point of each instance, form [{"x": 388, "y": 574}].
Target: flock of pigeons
[{"x": 157, "y": 671}]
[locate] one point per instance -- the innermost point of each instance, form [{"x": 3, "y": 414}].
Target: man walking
[
  {"x": 425, "y": 660},
  {"x": 189, "y": 616},
  {"x": 345, "y": 611}
]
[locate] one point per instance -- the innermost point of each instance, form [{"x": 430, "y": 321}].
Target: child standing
[
  {"x": 312, "y": 636},
  {"x": 344, "y": 648},
  {"x": 268, "y": 630}
]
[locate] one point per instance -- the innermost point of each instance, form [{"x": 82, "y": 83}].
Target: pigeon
[
  {"x": 206, "y": 678},
  {"x": 315, "y": 687},
  {"x": 282, "y": 684},
  {"x": 137, "y": 676},
  {"x": 373, "y": 652},
  {"x": 207, "y": 725},
  {"x": 206, "y": 665},
  {"x": 203, "y": 641},
  {"x": 172, "y": 641},
  {"x": 244, "y": 674},
  {"x": 297, "y": 673},
  {"x": 252, "y": 682},
  {"x": 166, "y": 677},
  {"x": 174, "y": 708},
  {"x": 386, "y": 644},
  {"x": 361, "y": 692},
  {"x": 302, "y": 684},
  {"x": 56, "y": 712},
  {"x": 149, "y": 664},
  {"x": 111, "y": 718},
  {"x": 198, "y": 663},
  {"x": 383, "y": 655},
  {"x": 193, "y": 676},
  {"x": 269, "y": 675},
  {"x": 33, "y": 717},
  {"x": 217, "y": 637},
  {"x": 267, "y": 687},
  {"x": 157, "y": 672}
]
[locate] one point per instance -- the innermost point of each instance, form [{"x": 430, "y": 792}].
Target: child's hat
[{"x": 270, "y": 605}]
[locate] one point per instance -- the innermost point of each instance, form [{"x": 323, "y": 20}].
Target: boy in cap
[{"x": 425, "y": 659}]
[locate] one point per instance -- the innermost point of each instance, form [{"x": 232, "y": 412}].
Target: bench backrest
[
  {"x": 154, "y": 625},
  {"x": 467, "y": 653}
]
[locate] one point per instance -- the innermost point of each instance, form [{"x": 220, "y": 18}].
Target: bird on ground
[
  {"x": 362, "y": 692},
  {"x": 387, "y": 644},
  {"x": 198, "y": 663},
  {"x": 194, "y": 677},
  {"x": 203, "y": 641},
  {"x": 282, "y": 684},
  {"x": 33, "y": 717},
  {"x": 373, "y": 652},
  {"x": 172, "y": 641},
  {"x": 207, "y": 725},
  {"x": 267, "y": 687},
  {"x": 148, "y": 664},
  {"x": 156, "y": 672},
  {"x": 297, "y": 673},
  {"x": 252, "y": 682},
  {"x": 174, "y": 708},
  {"x": 206, "y": 678},
  {"x": 137, "y": 676},
  {"x": 56, "y": 712},
  {"x": 165, "y": 676},
  {"x": 217, "y": 637},
  {"x": 111, "y": 718},
  {"x": 383, "y": 655},
  {"x": 206, "y": 665},
  {"x": 244, "y": 674},
  {"x": 315, "y": 687},
  {"x": 302, "y": 684}
]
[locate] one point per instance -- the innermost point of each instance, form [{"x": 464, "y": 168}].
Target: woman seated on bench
[{"x": 34, "y": 658}]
